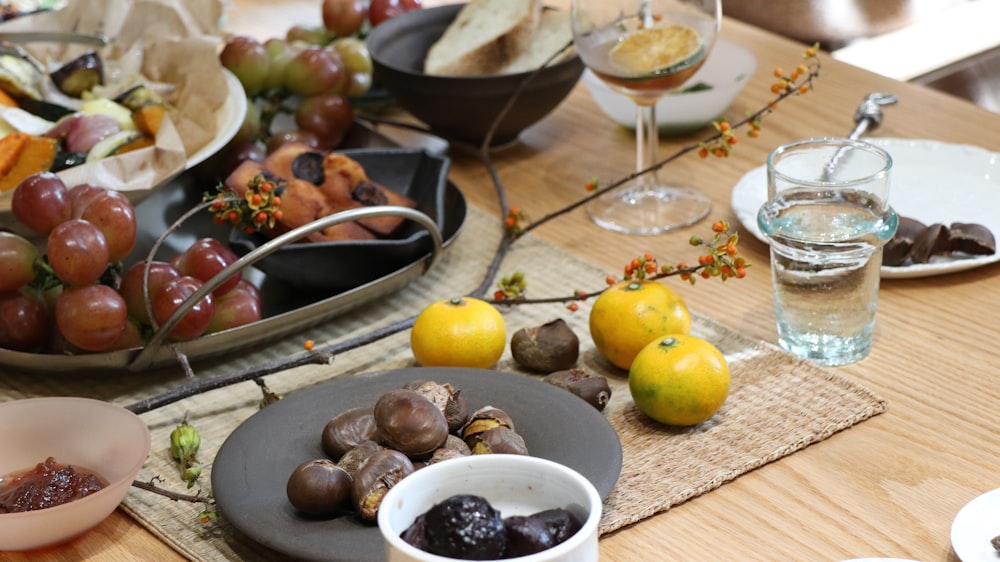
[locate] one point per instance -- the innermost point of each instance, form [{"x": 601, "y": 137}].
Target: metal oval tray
[{"x": 286, "y": 310}]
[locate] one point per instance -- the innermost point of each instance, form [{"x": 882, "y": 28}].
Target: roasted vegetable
[{"x": 79, "y": 75}]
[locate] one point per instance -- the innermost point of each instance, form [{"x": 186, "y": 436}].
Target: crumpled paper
[{"x": 180, "y": 41}]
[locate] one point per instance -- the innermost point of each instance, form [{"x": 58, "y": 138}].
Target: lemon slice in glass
[{"x": 656, "y": 48}]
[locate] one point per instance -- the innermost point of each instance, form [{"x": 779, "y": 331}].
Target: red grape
[
  {"x": 40, "y": 202},
  {"x": 279, "y": 52},
  {"x": 315, "y": 70},
  {"x": 17, "y": 261},
  {"x": 91, "y": 317},
  {"x": 382, "y": 10},
  {"x": 343, "y": 17},
  {"x": 246, "y": 58},
  {"x": 308, "y": 35},
  {"x": 82, "y": 195},
  {"x": 328, "y": 116},
  {"x": 170, "y": 297},
  {"x": 113, "y": 214},
  {"x": 292, "y": 135},
  {"x": 78, "y": 252},
  {"x": 206, "y": 258},
  {"x": 131, "y": 337},
  {"x": 131, "y": 286},
  {"x": 238, "y": 307},
  {"x": 25, "y": 321}
]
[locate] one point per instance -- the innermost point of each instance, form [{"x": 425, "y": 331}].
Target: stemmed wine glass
[{"x": 644, "y": 49}]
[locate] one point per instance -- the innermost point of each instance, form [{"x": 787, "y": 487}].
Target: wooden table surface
[{"x": 889, "y": 487}]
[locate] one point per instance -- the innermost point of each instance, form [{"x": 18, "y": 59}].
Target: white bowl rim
[
  {"x": 134, "y": 468},
  {"x": 588, "y": 528}
]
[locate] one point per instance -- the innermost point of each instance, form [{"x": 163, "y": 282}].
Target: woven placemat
[{"x": 777, "y": 405}]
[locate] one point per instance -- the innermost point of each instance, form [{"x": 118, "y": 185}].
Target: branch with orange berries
[{"x": 720, "y": 143}]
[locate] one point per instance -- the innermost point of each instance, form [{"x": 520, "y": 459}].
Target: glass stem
[{"x": 647, "y": 138}]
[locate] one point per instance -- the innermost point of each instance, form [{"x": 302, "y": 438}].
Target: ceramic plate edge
[
  {"x": 972, "y": 529},
  {"x": 229, "y": 119},
  {"x": 746, "y": 198}
]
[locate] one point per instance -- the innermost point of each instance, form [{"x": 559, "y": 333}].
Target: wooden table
[{"x": 888, "y": 487}]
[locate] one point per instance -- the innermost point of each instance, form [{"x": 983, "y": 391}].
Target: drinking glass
[
  {"x": 827, "y": 218},
  {"x": 644, "y": 49}
]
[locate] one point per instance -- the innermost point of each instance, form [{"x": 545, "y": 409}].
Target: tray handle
[{"x": 146, "y": 357}]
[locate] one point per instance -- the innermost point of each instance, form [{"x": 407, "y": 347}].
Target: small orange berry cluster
[
  {"x": 512, "y": 222},
  {"x": 722, "y": 259},
  {"x": 511, "y": 287},
  {"x": 259, "y": 208},
  {"x": 593, "y": 184},
  {"x": 639, "y": 268},
  {"x": 788, "y": 83},
  {"x": 723, "y": 144}
]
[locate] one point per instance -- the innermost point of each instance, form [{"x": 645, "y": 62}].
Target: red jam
[{"x": 47, "y": 485}]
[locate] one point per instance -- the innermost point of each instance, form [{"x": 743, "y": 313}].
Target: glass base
[
  {"x": 649, "y": 210},
  {"x": 823, "y": 349}
]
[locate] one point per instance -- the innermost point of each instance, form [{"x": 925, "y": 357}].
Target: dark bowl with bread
[{"x": 458, "y": 88}]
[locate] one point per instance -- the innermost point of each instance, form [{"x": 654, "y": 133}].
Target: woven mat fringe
[{"x": 777, "y": 405}]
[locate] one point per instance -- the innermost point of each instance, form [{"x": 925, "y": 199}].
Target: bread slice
[
  {"x": 553, "y": 33},
  {"x": 484, "y": 37}
]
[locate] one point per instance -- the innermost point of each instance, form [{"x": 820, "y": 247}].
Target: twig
[{"x": 193, "y": 498}]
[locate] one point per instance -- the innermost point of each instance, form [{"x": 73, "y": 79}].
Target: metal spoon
[
  {"x": 867, "y": 117},
  {"x": 96, "y": 39}
]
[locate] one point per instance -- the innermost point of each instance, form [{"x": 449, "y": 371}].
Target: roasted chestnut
[
  {"x": 546, "y": 348},
  {"x": 409, "y": 423},
  {"x": 483, "y": 419},
  {"x": 319, "y": 488},
  {"x": 592, "y": 388},
  {"x": 382, "y": 471},
  {"x": 498, "y": 440},
  {"x": 447, "y": 398},
  {"x": 347, "y": 430},
  {"x": 358, "y": 456}
]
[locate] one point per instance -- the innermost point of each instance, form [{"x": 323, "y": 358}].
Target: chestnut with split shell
[{"x": 383, "y": 470}]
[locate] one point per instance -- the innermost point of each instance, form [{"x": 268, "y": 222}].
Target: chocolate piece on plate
[
  {"x": 933, "y": 240},
  {"x": 971, "y": 238},
  {"x": 897, "y": 250}
]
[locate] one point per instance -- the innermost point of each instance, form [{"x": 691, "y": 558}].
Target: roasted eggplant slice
[
  {"x": 80, "y": 74},
  {"x": 20, "y": 74}
]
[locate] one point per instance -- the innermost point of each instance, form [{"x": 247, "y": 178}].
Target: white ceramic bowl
[
  {"x": 513, "y": 484},
  {"x": 92, "y": 434},
  {"x": 727, "y": 70}
]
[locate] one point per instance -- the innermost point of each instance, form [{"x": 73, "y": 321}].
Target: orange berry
[
  {"x": 705, "y": 274},
  {"x": 731, "y": 249},
  {"x": 720, "y": 152},
  {"x": 308, "y": 345},
  {"x": 498, "y": 295},
  {"x": 802, "y": 69},
  {"x": 277, "y": 214},
  {"x": 779, "y": 72},
  {"x": 753, "y": 133},
  {"x": 610, "y": 280},
  {"x": 719, "y": 226},
  {"x": 703, "y": 153},
  {"x": 803, "y": 88},
  {"x": 573, "y": 307},
  {"x": 741, "y": 272},
  {"x": 731, "y": 140}
]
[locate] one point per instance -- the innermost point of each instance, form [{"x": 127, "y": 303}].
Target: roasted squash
[
  {"x": 37, "y": 155},
  {"x": 148, "y": 118},
  {"x": 11, "y": 147}
]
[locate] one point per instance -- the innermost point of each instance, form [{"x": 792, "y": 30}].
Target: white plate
[
  {"x": 933, "y": 182},
  {"x": 229, "y": 119},
  {"x": 974, "y": 526}
]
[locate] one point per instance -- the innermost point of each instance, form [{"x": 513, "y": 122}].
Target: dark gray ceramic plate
[
  {"x": 252, "y": 467},
  {"x": 335, "y": 266}
]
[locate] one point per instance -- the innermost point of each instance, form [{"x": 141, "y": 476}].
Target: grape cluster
[
  {"x": 67, "y": 293},
  {"x": 311, "y": 73}
]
